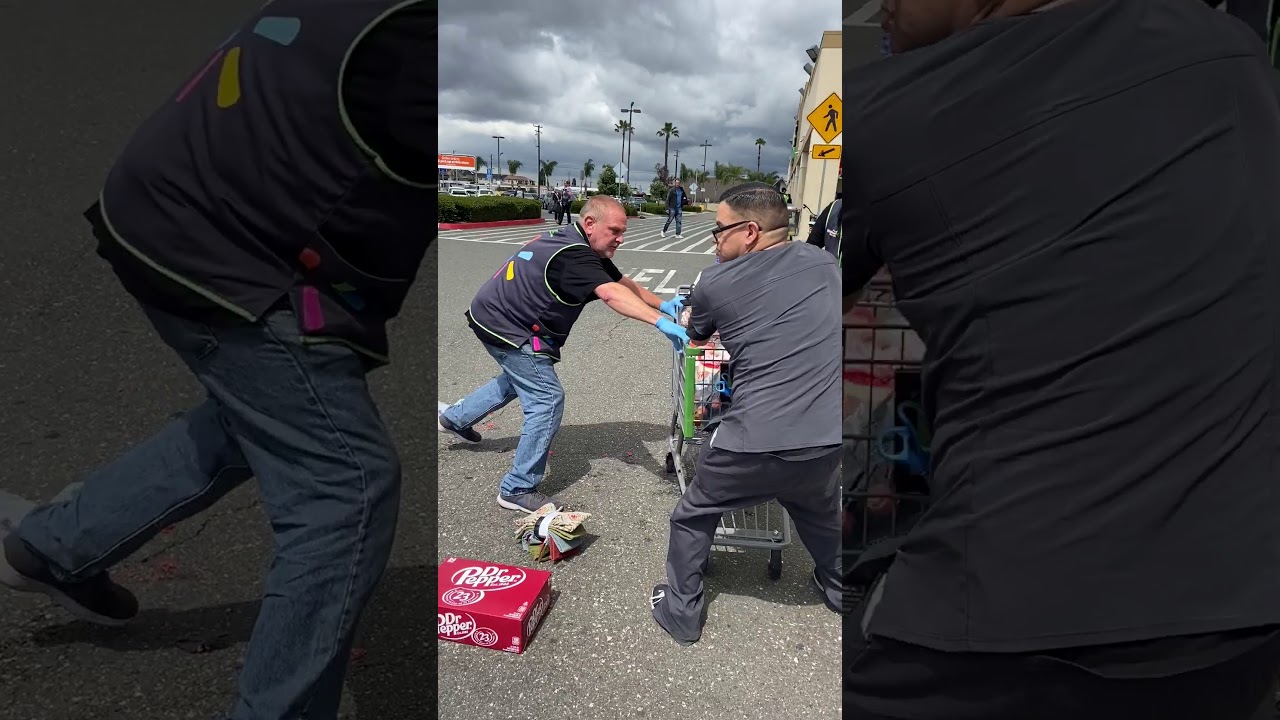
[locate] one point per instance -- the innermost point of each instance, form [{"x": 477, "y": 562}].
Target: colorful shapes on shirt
[
  {"x": 191, "y": 84},
  {"x": 281, "y": 30},
  {"x": 309, "y": 258},
  {"x": 229, "y": 79},
  {"x": 345, "y": 287},
  {"x": 350, "y": 297},
  {"x": 312, "y": 312},
  {"x": 511, "y": 270},
  {"x": 537, "y": 346},
  {"x": 524, "y": 255}
]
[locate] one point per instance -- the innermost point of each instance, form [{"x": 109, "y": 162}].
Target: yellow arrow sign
[
  {"x": 825, "y": 152},
  {"x": 827, "y": 118}
]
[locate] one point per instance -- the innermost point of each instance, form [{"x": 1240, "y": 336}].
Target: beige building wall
[{"x": 812, "y": 183}]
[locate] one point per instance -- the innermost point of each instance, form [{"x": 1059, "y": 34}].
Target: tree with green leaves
[
  {"x": 667, "y": 132},
  {"x": 760, "y": 143},
  {"x": 608, "y": 184},
  {"x": 658, "y": 189},
  {"x": 514, "y": 166},
  {"x": 626, "y": 129},
  {"x": 548, "y": 170},
  {"x": 588, "y": 168}
]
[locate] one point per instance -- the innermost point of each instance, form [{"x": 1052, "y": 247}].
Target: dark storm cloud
[{"x": 721, "y": 71}]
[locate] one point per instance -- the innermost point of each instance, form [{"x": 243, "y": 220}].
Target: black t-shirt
[
  {"x": 389, "y": 91},
  {"x": 576, "y": 272},
  {"x": 1077, "y": 208}
]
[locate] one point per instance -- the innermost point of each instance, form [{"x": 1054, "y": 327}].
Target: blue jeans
[
  {"x": 300, "y": 419},
  {"x": 532, "y": 379},
  {"x": 676, "y": 214}
]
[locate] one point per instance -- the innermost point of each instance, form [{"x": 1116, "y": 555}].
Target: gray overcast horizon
[{"x": 721, "y": 71}]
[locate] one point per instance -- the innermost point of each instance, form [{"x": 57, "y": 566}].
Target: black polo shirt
[{"x": 1078, "y": 209}]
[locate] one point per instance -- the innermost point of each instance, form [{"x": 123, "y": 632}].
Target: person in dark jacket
[
  {"x": 239, "y": 216},
  {"x": 677, "y": 198},
  {"x": 564, "y": 200}
]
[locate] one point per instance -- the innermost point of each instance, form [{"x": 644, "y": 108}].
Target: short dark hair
[{"x": 760, "y": 202}]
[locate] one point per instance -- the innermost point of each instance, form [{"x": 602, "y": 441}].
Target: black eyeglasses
[{"x": 717, "y": 230}]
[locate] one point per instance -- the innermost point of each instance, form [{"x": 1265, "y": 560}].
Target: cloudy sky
[{"x": 723, "y": 71}]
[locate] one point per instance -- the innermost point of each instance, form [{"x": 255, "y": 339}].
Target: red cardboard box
[{"x": 490, "y": 605}]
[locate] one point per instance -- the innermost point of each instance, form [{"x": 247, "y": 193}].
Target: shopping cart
[
  {"x": 701, "y": 390},
  {"x": 886, "y": 433}
]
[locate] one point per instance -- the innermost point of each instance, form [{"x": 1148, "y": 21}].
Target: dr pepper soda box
[{"x": 490, "y": 605}]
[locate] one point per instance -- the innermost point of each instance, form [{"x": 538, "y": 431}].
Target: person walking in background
[
  {"x": 234, "y": 226},
  {"x": 522, "y": 317},
  {"x": 564, "y": 199},
  {"x": 676, "y": 200}
]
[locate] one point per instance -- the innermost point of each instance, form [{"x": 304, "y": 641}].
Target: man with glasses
[
  {"x": 776, "y": 307},
  {"x": 1087, "y": 241}
]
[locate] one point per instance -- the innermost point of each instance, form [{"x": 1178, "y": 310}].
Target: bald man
[
  {"x": 522, "y": 317},
  {"x": 1089, "y": 249}
]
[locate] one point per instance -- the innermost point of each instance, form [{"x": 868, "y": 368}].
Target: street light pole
[
  {"x": 538, "y": 170},
  {"x": 626, "y": 141},
  {"x": 499, "y": 138},
  {"x": 705, "y": 144}
]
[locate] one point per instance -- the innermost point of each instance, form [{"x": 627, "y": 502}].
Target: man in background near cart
[
  {"x": 826, "y": 229},
  {"x": 776, "y": 307},
  {"x": 1089, "y": 249},
  {"x": 522, "y": 317}
]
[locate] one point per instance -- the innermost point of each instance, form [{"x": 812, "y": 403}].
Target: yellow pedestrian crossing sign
[
  {"x": 827, "y": 118},
  {"x": 825, "y": 152}
]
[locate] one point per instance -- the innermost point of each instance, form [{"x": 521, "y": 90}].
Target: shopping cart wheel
[
  {"x": 775, "y": 564},
  {"x": 671, "y": 464}
]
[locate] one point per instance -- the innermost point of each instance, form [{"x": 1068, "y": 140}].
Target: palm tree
[
  {"x": 760, "y": 143},
  {"x": 514, "y": 166},
  {"x": 480, "y": 165},
  {"x": 625, "y": 128},
  {"x": 588, "y": 168},
  {"x": 548, "y": 169},
  {"x": 667, "y": 132}
]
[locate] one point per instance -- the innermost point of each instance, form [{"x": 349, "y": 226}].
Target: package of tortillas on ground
[{"x": 550, "y": 534}]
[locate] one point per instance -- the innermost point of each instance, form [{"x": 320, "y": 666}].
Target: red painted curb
[{"x": 479, "y": 225}]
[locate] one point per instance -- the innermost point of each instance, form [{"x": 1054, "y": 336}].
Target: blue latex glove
[
  {"x": 676, "y": 334},
  {"x": 672, "y": 307}
]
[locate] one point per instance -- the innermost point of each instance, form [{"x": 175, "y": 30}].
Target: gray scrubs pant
[{"x": 809, "y": 489}]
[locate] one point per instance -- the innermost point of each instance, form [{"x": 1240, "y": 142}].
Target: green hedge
[
  {"x": 576, "y": 207},
  {"x": 486, "y": 209}
]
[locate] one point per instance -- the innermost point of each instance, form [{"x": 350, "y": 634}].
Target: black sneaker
[
  {"x": 444, "y": 425},
  {"x": 97, "y": 600},
  {"x": 656, "y": 599},
  {"x": 817, "y": 585},
  {"x": 527, "y": 502}
]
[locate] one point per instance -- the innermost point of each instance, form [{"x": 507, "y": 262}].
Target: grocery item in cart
[{"x": 711, "y": 389}]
